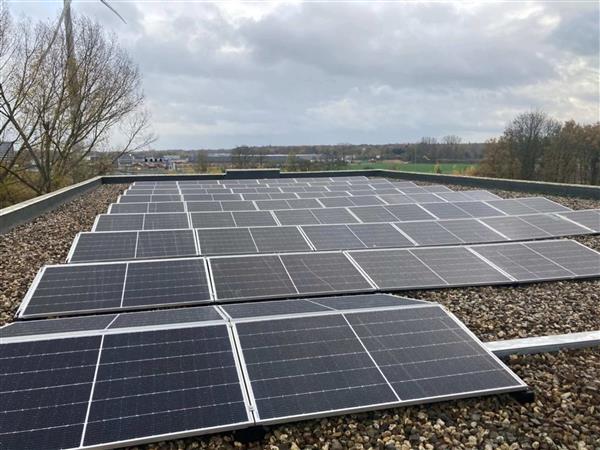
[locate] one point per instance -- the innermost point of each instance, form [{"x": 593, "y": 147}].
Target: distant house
[
  {"x": 7, "y": 151},
  {"x": 126, "y": 160}
]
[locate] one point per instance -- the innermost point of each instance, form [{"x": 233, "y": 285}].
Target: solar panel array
[
  {"x": 265, "y": 335},
  {"x": 138, "y": 377}
]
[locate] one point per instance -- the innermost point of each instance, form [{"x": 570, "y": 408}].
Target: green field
[{"x": 448, "y": 168}]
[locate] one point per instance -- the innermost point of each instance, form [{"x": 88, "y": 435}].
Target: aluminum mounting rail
[{"x": 543, "y": 344}]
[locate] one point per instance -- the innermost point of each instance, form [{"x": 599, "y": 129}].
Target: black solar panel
[
  {"x": 272, "y": 204},
  {"x": 253, "y": 218},
  {"x": 478, "y": 209},
  {"x": 424, "y": 353},
  {"x": 334, "y": 216},
  {"x": 309, "y": 365},
  {"x": 543, "y": 205},
  {"x": 396, "y": 269},
  {"x": 239, "y": 205},
  {"x": 49, "y": 326},
  {"x": 296, "y": 217},
  {"x": 166, "y": 207},
  {"x": 166, "y": 282},
  {"x": 511, "y": 207},
  {"x": 554, "y": 224},
  {"x": 514, "y": 228},
  {"x": 454, "y": 196},
  {"x": 45, "y": 396},
  {"x": 272, "y": 308},
  {"x": 204, "y": 206},
  {"x": 396, "y": 199},
  {"x": 119, "y": 222},
  {"x": 428, "y": 233},
  {"x": 347, "y": 302},
  {"x": 336, "y": 201},
  {"x": 366, "y": 200},
  {"x": 471, "y": 231},
  {"x": 521, "y": 263},
  {"x": 587, "y": 218},
  {"x": 225, "y": 241},
  {"x": 373, "y": 214},
  {"x": 165, "y": 244},
  {"x": 279, "y": 239},
  {"x": 406, "y": 213},
  {"x": 304, "y": 203},
  {"x": 104, "y": 246},
  {"x": 76, "y": 288},
  {"x": 137, "y": 394},
  {"x": 166, "y": 221},
  {"x": 212, "y": 220},
  {"x": 578, "y": 259},
  {"x": 458, "y": 266},
  {"x": 424, "y": 197},
  {"x": 129, "y": 208},
  {"x": 380, "y": 235},
  {"x": 250, "y": 277},
  {"x": 324, "y": 272},
  {"x": 332, "y": 237},
  {"x": 166, "y": 317},
  {"x": 446, "y": 211}
]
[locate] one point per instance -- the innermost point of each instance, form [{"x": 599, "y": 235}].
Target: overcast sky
[{"x": 226, "y": 74}]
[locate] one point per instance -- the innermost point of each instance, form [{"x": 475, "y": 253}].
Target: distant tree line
[{"x": 535, "y": 146}]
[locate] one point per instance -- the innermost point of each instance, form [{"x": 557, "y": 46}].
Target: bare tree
[{"x": 54, "y": 130}]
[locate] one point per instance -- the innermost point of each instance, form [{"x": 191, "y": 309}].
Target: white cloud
[{"x": 225, "y": 74}]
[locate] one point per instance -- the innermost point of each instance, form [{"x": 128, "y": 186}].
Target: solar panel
[
  {"x": 165, "y": 244},
  {"x": 396, "y": 199},
  {"x": 520, "y": 262},
  {"x": 435, "y": 188},
  {"x": 396, "y": 269},
  {"x": 204, "y": 206},
  {"x": 166, "y": 207},
  {"x": 238, "y": 205},
  {"x": 446, "y": 211},
  {"x": 314, "y": 273},
  {"x": 165, "y": 198},
  {"x": 543, "y": 205},
  {"x": 266, "y": 205},
  {"x": 587, "y": 218},
  {"x": 424, "y": 354},
  {"x": 334, "y": 215},
  {"x": 554, "y": 225},
  {"x": 458, "y": 266},
  {"x": 75, "y": 288},
  {"x": 165, "y": 317},
  {"x": 198, "y": 198},
  {"x": 166, "y": 221},
  {"x": 478, "y": 194},
  {"x": 405, "y": 213},
  {"x": 128, "y": 208},
  {"x": 511, "y": 207},
  {"x": 514, "y": 228},
  {"x": 165, "y": 282},
  {"x": 247, "y": 277},
  {"x": 332, "y": 202},
  {"x": 212, "y": 220},
  {"x": 103, "y": 246},
  {"x": 225, "y": 241},
  {"x": 253, "y": 218},
  {"x": 296, "y": 217},
  {"x": 478, "y": 209},
  {"x": 428, "y": 233},
  {"x": 454, "y": 196},
  {"x": 366, "y": 301},
  {"x": 578, "y": 259},
  {"x": 471, "y": 231},
  {"x": 257, "y": 196},
  {"x": 366, "y": 200},
  {"x": 425, "y": 197},
  {"x": 308, "y": 365},
  {"x": 369, "y": 214},
  {"x": 272, "y": 308},
  {"x": 304, "y": 203},
  {"x": 279, "y": 239},
  {"x": 135, "y": 199},
  {"x": 50, "y": 326},
  {"x": 226, "y": 197},
  {"x": 375, "y": 235},
  {"x": 332, "y": 237},
  {"x": 119, "y": 222}
]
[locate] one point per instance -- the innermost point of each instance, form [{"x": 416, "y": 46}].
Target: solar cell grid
[
  {"x": 272, "y": 204},
  {"x": 477, "y": 194},
  {"x": 471, "y": 231},
  {"x": 225, "y": 241},
  {"x": 406, "y": 213},
  {"x": 128, "y": 208},
  {"x": 166, "y": 221},
  {"x": 425, "y": 197},
  {"x": 166, "y": 207},
  {"x": 250, "y": 277},
  {"x": 279, "y": 239},
  {"x": 212, "y": 220},
  {"x": 378, "y": 235},
  {"x": 238, "y": 205},
  {"x": 511, "y": 207},
  {"x": 334, "y": 216},
  {"x": 576, "y": 258},
  {"x": 103, "y": 246},
  {"x": 446, "y": 211},
  {"x": 166, "y": 282},
  {"x": 515, "y": 228},
  {"x": 165, "y": 244},
  {"x": 332, "y": 237},
  {"x": 454, "y": 196},
  {"x": 314, "y": 273},
  {"x": 541, "y": 204},
  {"x": 428, "y": 233},
  {"x": 587, "y": 218},
  {"x": 520, "y": 262},
  {"x": 253, "y": 218},
  {"x": 119, "y": 222},
  {"x": 478, "y": 209},
  {"x": 458, "y": 266},
  {"x": 336, "y": 201},
  {"x": 296, "y": 217},
  {"x": 201, "y": 206},
  {"x": 366, "y": 200},
  {"x": 370, "y": 214},
  {"x": 554, "y": 225}
]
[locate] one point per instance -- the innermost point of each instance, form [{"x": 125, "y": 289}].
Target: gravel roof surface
[{"x": 565, "y": 414}]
